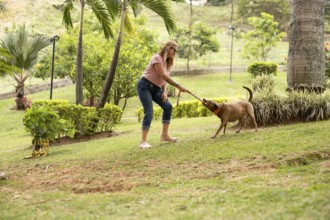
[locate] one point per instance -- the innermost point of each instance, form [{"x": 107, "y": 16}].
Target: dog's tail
[{"x": 250, "y": 92}]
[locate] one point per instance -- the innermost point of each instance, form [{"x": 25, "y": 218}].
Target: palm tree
[
  {"x": 101, "y": 12},
  {"x": 306, "y": 68},
  {"x": 119, "y": 8},
  {"x": 23, "y": 50},
  {"x": 5, "y": 69}
]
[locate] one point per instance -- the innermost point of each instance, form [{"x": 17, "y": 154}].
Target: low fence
[
  {"x": 38, "y": 88},
  {"x": 67, "y": 81},
  {"x": 235, "y": 69}
]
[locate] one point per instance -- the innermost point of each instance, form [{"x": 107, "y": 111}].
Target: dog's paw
[{"x": 213, "y": 137}]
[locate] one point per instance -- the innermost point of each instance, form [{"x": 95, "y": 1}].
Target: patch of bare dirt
[
  {"x": 112, "y": 176},
  {"x": 87, "y": 178},
  {"x": 119, "y": 176}
]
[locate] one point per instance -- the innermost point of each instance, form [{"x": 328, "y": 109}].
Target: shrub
[
  {"x": 270, "y": 109},
  {"x": 84, "y": 120},
  {"x": 44, "y": 122},
  {"x": 187, "y": 109},
  {"x": 108, "y": 116},
  {"x": 307, "y": 106},
  {"x": 263, "y": 83},
  {"x": 296, "y": 106},
  {"x": 260, "y": 68},
  {"x": 327, "y": 61}
]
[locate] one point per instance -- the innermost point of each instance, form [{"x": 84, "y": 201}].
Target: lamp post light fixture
[
  {"x": 53, "y": 40},
  {"x": 232, "y": 28}
]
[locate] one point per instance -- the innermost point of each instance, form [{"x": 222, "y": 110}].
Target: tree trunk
[
  {"x": 114, "y": 62},
  {"x": 189, "y": 37},
  {"x": 40, "y": 147},
  {"x": 79, "y": 66},
  {"x": 125, "y": 103},
  {"x": 306, "y": 68},
  {"x": 19, "y": 96}
]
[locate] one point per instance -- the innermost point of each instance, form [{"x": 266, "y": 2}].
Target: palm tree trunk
[
  {"x": 306, "y": 68},
  {"x": 19, "y": 96},
  {"x": 79, "y": 66},
  {"x": 189, "y": 37},
  {"x": 112, "y": 70}
]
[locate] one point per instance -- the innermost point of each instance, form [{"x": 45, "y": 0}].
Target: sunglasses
[{"x": 173, "y": 49}]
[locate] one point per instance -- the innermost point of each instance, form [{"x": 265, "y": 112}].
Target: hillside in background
[
  {"x": 45, "y": 16},
  {"x": 41, "y": 15}
]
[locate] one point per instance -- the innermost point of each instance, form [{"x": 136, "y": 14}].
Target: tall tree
[
  {"x": 263, "y": 36},
  {"x": 278, "y": 8},
  {"x": 23, "y": 49},
  {"x": 203, "y": 39},
  {"x": 120, "y": 8},
  {"x": 306, "y": 67},
  {"x": 101, "y": 12},
  {"x": 189, "y": 36}
]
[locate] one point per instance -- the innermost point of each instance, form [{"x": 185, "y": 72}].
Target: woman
[{"x": 152, "y": 87}]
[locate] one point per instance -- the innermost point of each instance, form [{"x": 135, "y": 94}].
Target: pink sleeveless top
[{"x": 152, "y": 75}]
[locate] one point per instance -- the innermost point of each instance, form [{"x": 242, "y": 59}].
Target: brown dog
[{"x": 231, "y": 112}]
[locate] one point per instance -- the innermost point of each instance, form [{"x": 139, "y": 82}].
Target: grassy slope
[
  {"x": 37, "y": 14},
  {"x": 280, "y": 172}
]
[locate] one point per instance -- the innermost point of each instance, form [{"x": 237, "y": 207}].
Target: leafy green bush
[
  {"x": 44, "y": 122},
  {"x": 187, "y": 109},
  {"x": 259, "y": 68},
  {"x": 84, "y": 120},
  {"x": 108, "y": 116}
]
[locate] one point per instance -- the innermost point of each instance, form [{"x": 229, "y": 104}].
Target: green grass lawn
[{"x": 280, "y": 172}]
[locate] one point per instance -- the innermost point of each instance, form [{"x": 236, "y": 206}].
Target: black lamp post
[
  {"x": 232, "y": 28},
  {"x": 53, "y": 40}
]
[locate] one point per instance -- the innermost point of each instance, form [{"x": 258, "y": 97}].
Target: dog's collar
[{"x": 216, "y": 112}]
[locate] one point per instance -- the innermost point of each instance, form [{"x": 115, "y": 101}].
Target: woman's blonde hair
[{"x": 163, "y": 53}]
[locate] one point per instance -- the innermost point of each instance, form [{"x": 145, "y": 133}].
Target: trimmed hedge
[
  {"x": 85, "y": 120},
  {"x": 259, "y": 68},
  {"x": 187, "y": 109}
]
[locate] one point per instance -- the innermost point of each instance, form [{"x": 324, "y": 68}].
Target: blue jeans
[{"x": 148, "y": 92}]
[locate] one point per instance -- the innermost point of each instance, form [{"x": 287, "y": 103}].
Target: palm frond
[
  {"x": 128, "y": 24},
  {"x": 23, "y": 48},
  {"x": 102, "y": 14},
  {"x": 4, "y": 53},
  {"x": 163, "y": 9},
  {"x": 114, "y": 8},
  {"x": 136, "y": 8},
  {"x": 6, "y": 69},
  {"x": 68, "y": 6}
]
